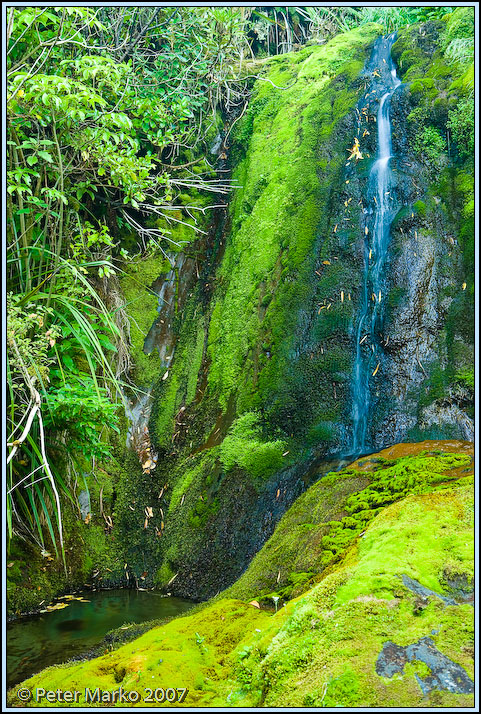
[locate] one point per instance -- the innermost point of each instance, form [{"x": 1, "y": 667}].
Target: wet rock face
[
  {"x": 247, "y": 519},
  {"x": 418, "y": 395}
]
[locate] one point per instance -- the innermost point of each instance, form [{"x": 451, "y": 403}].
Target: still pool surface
[{"x": 38, "y": 641}]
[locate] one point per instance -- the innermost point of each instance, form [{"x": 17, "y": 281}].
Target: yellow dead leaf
[
  {"x": 375, "y": 371},
  {"x": 464, "y": 286},
  {"x": 254, "y": 603},
  {"x": 326, "y": 262},
  {"x": 355, "y": 150}
]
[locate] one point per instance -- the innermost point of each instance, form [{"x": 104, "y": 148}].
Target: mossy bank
[{"x": 402, "y": 584}]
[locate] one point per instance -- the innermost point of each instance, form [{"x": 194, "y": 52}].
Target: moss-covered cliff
[
  {"x": 259, "y": 388},
  {"x": 387, "y": 621},
  {"x": 260, "y": 377},
  {"x": 252, "y": 389}
]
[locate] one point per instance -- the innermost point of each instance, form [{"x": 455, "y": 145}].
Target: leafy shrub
[
  {"x": 430, "y": 144},
  {"x": 460, "y": 25},
  {"x": 82, "y": 409}
]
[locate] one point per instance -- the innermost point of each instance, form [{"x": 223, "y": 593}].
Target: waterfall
[{"x": 379, "y": 213}]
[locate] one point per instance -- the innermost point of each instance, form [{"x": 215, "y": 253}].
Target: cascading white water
[{"x": 376, "y": 245}]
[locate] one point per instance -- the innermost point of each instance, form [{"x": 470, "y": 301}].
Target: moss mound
[{"x": 329, "y": 517}]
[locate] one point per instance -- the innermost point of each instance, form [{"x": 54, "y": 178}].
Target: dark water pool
[{"x": 38, "y": 641}]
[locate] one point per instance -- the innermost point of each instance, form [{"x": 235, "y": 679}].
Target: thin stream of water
[{"x": 376, "y": 246}]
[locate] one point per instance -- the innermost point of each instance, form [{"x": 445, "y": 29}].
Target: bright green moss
[
  {"x": 435, "y": 540},
  {"x": 190, "y": 652},
  {"x": 320, "y": 649},
  {"x": 182, "y": 485},
  {"x": 243, "y": 446},
  {"x": 326, "y": 520},
  {"x": 276, "y": 217},
  {"x": 324, "y": 645},
  {"x": 141, "y": 307}
]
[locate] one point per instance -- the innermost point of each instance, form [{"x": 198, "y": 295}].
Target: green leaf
[{"x": 46, "y": 156}]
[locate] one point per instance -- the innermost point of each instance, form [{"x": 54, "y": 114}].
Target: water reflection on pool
[{"x": 38, "y": 641}]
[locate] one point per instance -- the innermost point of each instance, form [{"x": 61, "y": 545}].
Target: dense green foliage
[{"x": 100, "y": 105}]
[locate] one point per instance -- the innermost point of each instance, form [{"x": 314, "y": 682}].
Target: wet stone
[
  {"x": 445, "y": 674},
  {"x": 424, "y": 592}
]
